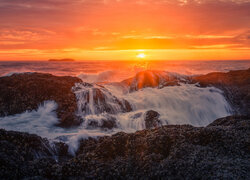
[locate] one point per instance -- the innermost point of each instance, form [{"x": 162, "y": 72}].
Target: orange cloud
[{"x": 86, "y": 29}]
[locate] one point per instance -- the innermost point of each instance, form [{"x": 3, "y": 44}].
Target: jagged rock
[
  {"x": 234, "y": 84},
  {"x": 152, "y": 119},
  {"x": 18, "y": 149},
  {"x": 21, "y": 92},
  {"x": 28, "y": 155},
  {"x": 218, "y": 151}
]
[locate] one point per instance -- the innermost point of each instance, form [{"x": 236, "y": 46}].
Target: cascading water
[
  {"x": 113, "y": 107},
  {"x": 171, "y": 95},
  {"x": 96, "y": 99}
]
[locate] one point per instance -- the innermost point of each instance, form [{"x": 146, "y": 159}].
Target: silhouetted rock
[
  {"x": 152, "y": 119},
  {"x": 234, "y": 84},
  {"x": 21, "y": 92}
]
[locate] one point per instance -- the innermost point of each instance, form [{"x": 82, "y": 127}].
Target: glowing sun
[{"x": 141, "y": 56}]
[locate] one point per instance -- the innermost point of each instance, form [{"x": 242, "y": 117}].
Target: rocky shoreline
[
  {"x": 25, "y": 92},
  {"x": 221, "y": 150}
]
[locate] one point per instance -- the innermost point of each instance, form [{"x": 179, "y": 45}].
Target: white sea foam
[
  {"x": 184, "y": 104},
  {"x": 106, "y": 76},
  {"x": 42, "y": 122},
  {"x": 18, "y": 72},
  {"x": 37, "y": 122}
]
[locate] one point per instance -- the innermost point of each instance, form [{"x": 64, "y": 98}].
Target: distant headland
[{"x": 62, "y": 60}]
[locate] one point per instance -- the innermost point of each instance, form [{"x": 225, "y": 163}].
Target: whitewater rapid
[{"x": 180, "y": 104}]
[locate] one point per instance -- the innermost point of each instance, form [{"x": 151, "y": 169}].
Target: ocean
[
  {"x": 117, "y": 70},
  {"x": 182, "y": 104}
]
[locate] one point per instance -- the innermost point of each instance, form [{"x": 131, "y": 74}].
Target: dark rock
[
  {"x": 137, "y": 115},
  {"x": 152, "y": 119},
  {"x": 105, "y": 123},
  {"x": 27, "y": 155},
  {"x": 234, "y": 84},
  {"x": 32, "y": 145},
  {"x": 21, "y": 92},
  {"x": 61, "y": 151},
  {"x": 17, "y": 150},
  {"x": 218, "y": 151},
  {"x": 103, "y": 101},
  {"x": 229, "y": 121}
]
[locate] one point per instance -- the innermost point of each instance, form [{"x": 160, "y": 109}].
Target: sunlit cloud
[
  {"x": 86, "y": 26},
  {"x": 216, "y": 46}
]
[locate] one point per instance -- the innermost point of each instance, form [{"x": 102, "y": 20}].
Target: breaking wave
[
  {"x": 106, "y": 76},
  {"x": 108, "y": 108}
]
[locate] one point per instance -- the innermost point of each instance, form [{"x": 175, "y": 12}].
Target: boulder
[
  {"x": 152, "y": 119},
  {"x": 28, "y": 155},
  {"x": 234, "y": 84},
  {"x": 21, "y": 92},
  {"x": 96, "y": 99},
  {"x": 153, "y": 79}
]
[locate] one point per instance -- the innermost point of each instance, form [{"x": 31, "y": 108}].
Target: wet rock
[
  {"x": 152, "y": 119},
  {"x": 21, "y": 92},
  {"x": 28, "y": 156},
  {"x": 105, "y": 123},
  {"x": 61, "y": 151},
  {"x": 234, "y": 84},
  {"x": 33, "y": 146},
  {"x": 102, "y": 102},
  {"x": 230, "y": 120},
  {"x": 18, "y": 150},
  {"x": 220, "y": 150},
  {"x": 154, "y": 79},
  {"x": 97, "y": 99},
  {"x": 137, "y": 115}
]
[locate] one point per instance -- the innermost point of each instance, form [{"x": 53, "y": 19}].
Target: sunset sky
[{"x": 122, "y": 29}]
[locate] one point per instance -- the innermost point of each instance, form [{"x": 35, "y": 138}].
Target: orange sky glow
[{"x": 122, "y": 29}]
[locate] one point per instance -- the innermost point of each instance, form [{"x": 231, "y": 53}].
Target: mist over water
[
  {"x": 102, "y": 100},
  {"x": 93, "y": 71}
]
